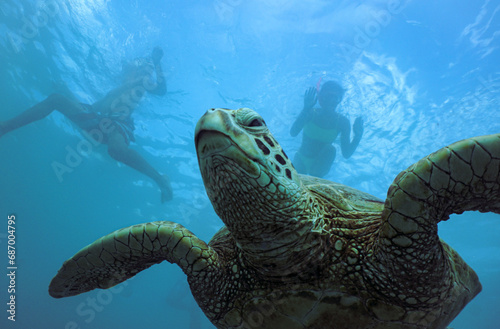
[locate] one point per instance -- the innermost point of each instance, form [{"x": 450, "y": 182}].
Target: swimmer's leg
[
  {"x": 54, "y": 102},
  {"x": 119, "y": 150},
  {"x": 324, "y": 161}
]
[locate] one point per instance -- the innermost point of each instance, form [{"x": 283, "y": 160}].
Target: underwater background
[{"x": 422, "y": 74}]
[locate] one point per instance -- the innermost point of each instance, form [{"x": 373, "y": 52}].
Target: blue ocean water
[{"x": 422, "y": 75}]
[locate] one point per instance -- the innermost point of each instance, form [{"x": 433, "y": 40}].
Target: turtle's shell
[{"x": 343, "y": 196}]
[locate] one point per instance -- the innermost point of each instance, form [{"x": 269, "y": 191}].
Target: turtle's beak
[
  {"x": 217, "y": 134},
  {"x": 211, "y": 132},
  {"x": 209, "y": 142},
  {"x": 213, "y": 119}
]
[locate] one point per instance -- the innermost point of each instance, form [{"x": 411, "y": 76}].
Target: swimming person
[
  {"x": 109, "y": 119},
  {"x": 321, "y": 127}
]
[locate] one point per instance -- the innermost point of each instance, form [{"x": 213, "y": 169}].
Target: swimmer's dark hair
[{"x": 332, "y": 87}]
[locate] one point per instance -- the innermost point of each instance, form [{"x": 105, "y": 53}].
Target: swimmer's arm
[
  {"x": 306, "y": 114},
  {"x": 348, "y": 147},
  {"x": 160, "y": 87},
  {"x": 161, "y": 83}
]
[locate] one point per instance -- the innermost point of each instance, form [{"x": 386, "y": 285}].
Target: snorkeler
[
  {"x": 321, "y": 126},
  {"x": 109, "y": 119}
]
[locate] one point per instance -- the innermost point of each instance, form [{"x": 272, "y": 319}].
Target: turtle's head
[{"x": 249, "y": 179}]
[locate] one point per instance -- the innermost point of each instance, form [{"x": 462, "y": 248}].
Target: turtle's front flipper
[
  {"x": 122, "y": 254},
  {"x": 418, "y": 268},
  {"x": 460, "y": 177}
]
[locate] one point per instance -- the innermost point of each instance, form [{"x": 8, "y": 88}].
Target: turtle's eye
[
  {"x": 258, "y": 122},
  {"x": 250, "y": 119}
]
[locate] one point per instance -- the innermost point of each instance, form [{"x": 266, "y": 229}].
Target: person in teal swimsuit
[
  {"x": 321, "y": 127},
  {"x": 109, "y": 119}
]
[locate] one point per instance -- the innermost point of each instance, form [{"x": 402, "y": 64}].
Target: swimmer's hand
[
  {"x": 357, "y": 127},
  {"x": 310, "y": 98},
  {"x": 157, "y": 55}
]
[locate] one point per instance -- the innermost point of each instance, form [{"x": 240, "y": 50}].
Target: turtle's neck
[
  {"x": 272, "y": 223},
  {"x": 283, "y": 247}
]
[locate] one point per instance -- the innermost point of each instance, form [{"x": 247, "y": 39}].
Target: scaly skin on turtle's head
[{"x": 250, "y": 181}]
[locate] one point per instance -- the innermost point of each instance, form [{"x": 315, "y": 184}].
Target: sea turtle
[{"x": 303, "y": 252}]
